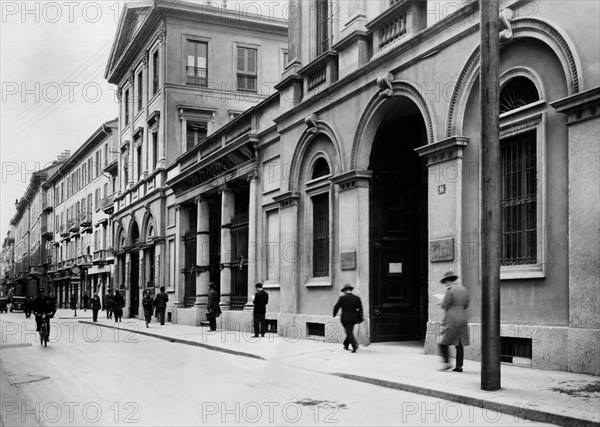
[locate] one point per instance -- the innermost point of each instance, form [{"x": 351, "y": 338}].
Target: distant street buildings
[{"x": 361, "y": 165}]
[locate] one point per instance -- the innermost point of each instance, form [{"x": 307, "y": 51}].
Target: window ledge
[
  {"x": 318, "y": 282},
  {"x": 522, "y": 272},
  {"x": 271, "y": 285}
]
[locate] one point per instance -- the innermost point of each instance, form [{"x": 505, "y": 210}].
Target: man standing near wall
[{"x": 261, "y": 299}]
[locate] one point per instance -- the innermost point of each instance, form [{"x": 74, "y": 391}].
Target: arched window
[
  {"x": 320, "y": 169},
  {"x": 517, "y": 92}
]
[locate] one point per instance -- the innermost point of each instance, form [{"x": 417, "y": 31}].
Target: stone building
[
  {"x": 79, "y": 237},
  {"x": 183, "y": 70},
  {"x": 364, "y": 168},
  {"x": 29, "y": 230}
]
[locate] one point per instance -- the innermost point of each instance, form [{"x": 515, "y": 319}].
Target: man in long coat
[
  {"x": 261, "y": 299},
  {"x": 161, "y": 305},
  {"x": 212, "y": 306},
  {"x": 352, "y": 313},
  {"x": 455, "y": 328}
]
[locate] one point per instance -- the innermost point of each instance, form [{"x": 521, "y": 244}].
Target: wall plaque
[
  {"x": 442, "y": 250},
  {"x": 395, "y": 268},
  {"x": 348, "y": 260}
]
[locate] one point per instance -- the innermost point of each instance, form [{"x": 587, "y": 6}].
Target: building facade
[
  {"x": 365, "y": 169},
  {"x": 79, "y": 238},
  {"x": 29, "y": 230},
  {"x": 183, "y": 70}
]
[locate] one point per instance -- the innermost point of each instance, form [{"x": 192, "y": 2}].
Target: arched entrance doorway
[{"x": 398, "y": 225}]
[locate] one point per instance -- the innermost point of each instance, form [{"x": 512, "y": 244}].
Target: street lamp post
[{"x": 490, "y": 209}]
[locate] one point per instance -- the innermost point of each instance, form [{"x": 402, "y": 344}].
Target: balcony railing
[
  {"x": 103, "y": 256},
  {"x": 62, "y": 229},
  {"x": 73, "y": 225},
  {"x": 84, "y": 260},
  {"x": 108, "y": 204},
  {"x": 85, "y": 218},
  {"x": 320, "y": 73},
  {"x": 46, "y": 227},
  {"x": 46, "y": 206},
  {"x": 402, "y": 19},
  {"x": 197, "y": 76}
]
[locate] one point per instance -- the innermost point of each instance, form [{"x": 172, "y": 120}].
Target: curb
[
  {"x": 527, "y": 413},
  {"x": 180, "y": 341}
]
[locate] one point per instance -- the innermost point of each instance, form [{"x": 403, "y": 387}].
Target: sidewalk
[{"x": 545, "y": 396}]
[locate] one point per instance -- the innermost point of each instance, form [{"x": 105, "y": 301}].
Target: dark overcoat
[
  {"x": 352, "y": 310},
  {"x": 148, "y": 304}
]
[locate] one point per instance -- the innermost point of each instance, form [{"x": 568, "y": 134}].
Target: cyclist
[{"x": 43, "y": 304}]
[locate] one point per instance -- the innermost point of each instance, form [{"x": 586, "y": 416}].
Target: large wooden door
[
  {"x": 134, "y": 302},
  {"x": 398, "y": 216}
]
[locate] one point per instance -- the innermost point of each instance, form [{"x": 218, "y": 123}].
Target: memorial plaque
[
  {"x": 442, "y": 250},
  {"x": 348, "y": 260}
]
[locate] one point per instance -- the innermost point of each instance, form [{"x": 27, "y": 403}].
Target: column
[
  {"x": 582, "y": 112},
  {"x": 202, "y": 252},
  {"x": 126, "y": 292},
  {"x": 288, "y": 244},
  {"x": 182, "y": 225},
  {"x": 227, "y": 211},
  {"x": 252, "y": 243},
  {"x": 353, "y": 187}
]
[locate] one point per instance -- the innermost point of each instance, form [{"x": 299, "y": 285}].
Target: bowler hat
[
  {"x": 347, "y": 287},
  {"x": 449, "y": 276},
  {"x": 258, "y": 285},
  {"x": 212, "y": 285}
]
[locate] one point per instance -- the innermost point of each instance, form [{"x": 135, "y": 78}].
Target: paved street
[{"x": 90, "y": 375}]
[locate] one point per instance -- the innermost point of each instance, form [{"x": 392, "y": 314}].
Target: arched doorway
[{"x": 398, "y": 225}]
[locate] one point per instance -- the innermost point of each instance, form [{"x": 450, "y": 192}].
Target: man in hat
[
  {"x": 352, "y": 313},
  {"x": 161, "y": 305},
  {"x": 212, "y": 306},
  {"x": 455, "y": 328},
  {"x": 109, "y": 303},
  {"x": 261, "y": 299}
]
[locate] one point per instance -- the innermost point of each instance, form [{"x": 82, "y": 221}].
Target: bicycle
[{"x": 44, "y": 332}]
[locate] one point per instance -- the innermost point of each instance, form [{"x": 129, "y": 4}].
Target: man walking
[
  {"x": 96, "y": 304},
  {"x": 261, "y": 299},
  {"x": 455, "y": 327},
  {"x": 86, "y": 301},
  {"x": 161, "y": 305},
  {"x": 109, "y": 303},
  {"x": 352, "y": 313}
]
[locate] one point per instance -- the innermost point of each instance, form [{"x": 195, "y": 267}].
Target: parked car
[
  {"x": 3, "y": 304},
  {"x": 18, "y": 304}
]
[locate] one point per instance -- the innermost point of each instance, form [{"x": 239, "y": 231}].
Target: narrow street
[{"x": 96, "y": 376}]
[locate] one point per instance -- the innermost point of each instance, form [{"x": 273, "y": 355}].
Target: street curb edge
[
  {"x": 180, "y": 341},
  {"x": 526, "y": 413}
]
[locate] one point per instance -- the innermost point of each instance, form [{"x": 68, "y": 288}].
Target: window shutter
[
  {"x": 251, "y": 60},
  {"x": 241, "y": 59}
]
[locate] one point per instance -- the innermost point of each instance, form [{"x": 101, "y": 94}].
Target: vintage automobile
[
  {"x": 18, "y": 304},
  {"x": 3, "y": 304}
]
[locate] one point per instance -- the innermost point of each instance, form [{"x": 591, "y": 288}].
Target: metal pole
[{"x": 490, "y": 221}]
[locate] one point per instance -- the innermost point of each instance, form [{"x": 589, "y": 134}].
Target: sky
[{"x": 52, "y": 60}]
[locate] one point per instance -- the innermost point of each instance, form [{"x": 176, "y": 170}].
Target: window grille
[
  {"x": 519, "y": 199},
  {"x": 197, "y": 66},
  {"x": 246, "y": 69},
  {"x": 321, "y": 235},
  {"x": 517, "y": 93}
]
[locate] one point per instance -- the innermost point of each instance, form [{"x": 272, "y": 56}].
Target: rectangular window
[
  {"x": 285, "y": 60},
  {"x": 105, "y": 155},
  {"x": 140, "y": 90},
  {"x": 196, "y": 132},
  {"x": 273, "y": 246},
  {"x": 246, "y": 69},
  {"x": 321, "y": 235},
  {"x": 90, "y": 206},
  {"x": 323, "y": 26},
  {"x": 171, "y": 266},
  {"x": 519, "y": 199},
  {"x": 155, "y": 148},
  {"x": 97, "y": 199},
  {"x": 139, "y": 162},
  {"x": 126, "y": 107},
  {"x": 196, "y": 66},
  {"x": 171, "y": 216},
  {"x": 155, "y": 71},
  {"x": 98, "y": 164}
]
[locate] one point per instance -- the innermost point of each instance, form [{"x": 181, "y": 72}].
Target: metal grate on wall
[
  {"x": 516, "y": 350},
  {"x": 315, "y": 329}
]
